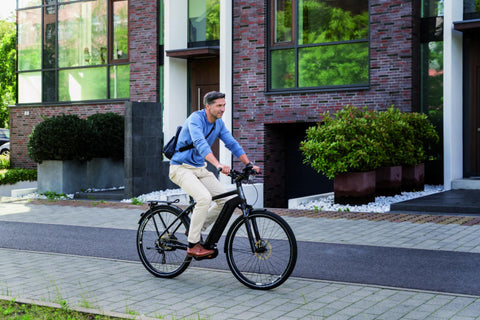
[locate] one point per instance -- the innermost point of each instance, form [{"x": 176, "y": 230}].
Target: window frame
[
  {"x": 272, "y": 46},
  {"x": 111, "y": 32}
]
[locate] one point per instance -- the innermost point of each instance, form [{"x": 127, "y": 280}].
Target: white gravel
[{"x": 381, "y": 204}]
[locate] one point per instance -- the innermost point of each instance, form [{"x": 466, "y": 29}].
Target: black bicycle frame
[{"x": 223, "y": 218}]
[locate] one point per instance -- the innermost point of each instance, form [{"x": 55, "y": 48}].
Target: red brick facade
[{"x": 391, "y": 29}]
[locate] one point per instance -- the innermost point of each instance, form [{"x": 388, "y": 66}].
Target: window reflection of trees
[{"x": 332, "y": 44}]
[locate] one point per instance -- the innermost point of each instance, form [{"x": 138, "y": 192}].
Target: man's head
[{"x": 214, "y": 102}]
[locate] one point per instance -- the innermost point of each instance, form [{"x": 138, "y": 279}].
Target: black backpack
[{"x": 169, "y": 148}]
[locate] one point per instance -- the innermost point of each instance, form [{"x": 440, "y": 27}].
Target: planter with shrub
[
  {"x": 358, "y": 140},
  {"x": 64, "y": 147},
  {"x": 424, "y": 139},
  {"x": 343, "y": 144}
]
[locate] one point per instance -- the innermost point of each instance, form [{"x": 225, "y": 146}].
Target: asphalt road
[{"x": 443, "y": 271}]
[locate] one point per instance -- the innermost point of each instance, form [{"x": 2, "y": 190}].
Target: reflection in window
[
  {"x": 283, "y": 69},
  {"x": 119, "y": 81},
  {"x": 29, "y": 39},
  {"x": 432, "y": 76},
  {"x": 120, "y": 30},
  {"x": 471, "y": 9},
  {"x": 203, "y": 20},
  {"x": 333, "y": 65},
  {"x": 82, "y": 84},
  {"x": 283, "y": 21},
  {"x": 432, "y": 8},
  {"x": 321, "y": 22},
  {"x": 49, "y": 86},
  {"x": 82, "y": 34},
  {"x": 49, "y": 37},
  {"x": 28, "y": 3},
  {"x": 30, "y": 87},
  {"x": 328, "y": 48}
]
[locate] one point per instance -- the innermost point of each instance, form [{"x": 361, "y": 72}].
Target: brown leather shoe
[{"x": 199, "y": 251}]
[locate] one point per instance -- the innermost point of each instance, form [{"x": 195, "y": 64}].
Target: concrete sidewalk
[{"x": 127, "y": 288}]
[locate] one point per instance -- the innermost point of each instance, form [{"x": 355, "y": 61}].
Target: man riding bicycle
[{"x": 188, "y": 168}]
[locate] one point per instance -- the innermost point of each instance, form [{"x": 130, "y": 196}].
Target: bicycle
[{"x": 260, "y": 246}]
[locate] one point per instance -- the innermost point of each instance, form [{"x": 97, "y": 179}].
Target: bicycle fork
[{"x": 256, "y": 243}]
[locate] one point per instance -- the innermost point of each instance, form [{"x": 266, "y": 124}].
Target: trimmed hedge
[
  {"x": 108, "y": 134},
  {"x": 12, "y": 176},
  {"x": 68, "y": 137}
]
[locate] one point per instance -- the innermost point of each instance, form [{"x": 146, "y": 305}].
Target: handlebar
[{"x": 245, "y": 174}]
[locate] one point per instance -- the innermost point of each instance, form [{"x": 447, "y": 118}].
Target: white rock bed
[{"x": 381, "y": 204}]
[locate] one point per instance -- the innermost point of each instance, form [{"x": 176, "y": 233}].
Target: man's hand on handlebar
[
  {"x": 254, "y": 167},
  {"x": 224, "y": 169}
]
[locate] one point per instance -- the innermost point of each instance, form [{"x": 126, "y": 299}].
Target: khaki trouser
[{"x": 201, "y": 185}]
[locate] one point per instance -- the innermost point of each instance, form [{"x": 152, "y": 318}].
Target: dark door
[
  {"x": 473, "y": 110},
  {"x": 204, "y": 77}
]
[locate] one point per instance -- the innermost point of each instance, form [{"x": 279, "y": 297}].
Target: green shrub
[
  {"x": 108, "y": 132},
  {"x": 425, "y": 136},
  {"x": 65, "y": 137},
  {"x": 357, "y": 140},
  {"x": 396, "y": 138},
  {"x": 346, "y": 142},
  {"x": 12, "y": 176},
  {"x": 68, "y": 137},
  {"x": 4, "y": 162}
]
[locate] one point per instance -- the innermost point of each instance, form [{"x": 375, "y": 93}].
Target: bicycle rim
[
  {"x": 162, "y": 242},
  {"x": 275, "y": 254}
]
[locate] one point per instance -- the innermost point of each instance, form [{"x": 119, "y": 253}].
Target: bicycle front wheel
[
  {"x": 261, "y": 250},
  {"x": 162, "y": 241}
]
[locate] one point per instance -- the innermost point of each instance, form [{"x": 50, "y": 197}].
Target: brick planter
[
  {"x": 354, "y": 188},
  {"x": 388, "y": 181},
  {"x": 413, "y": 178}
]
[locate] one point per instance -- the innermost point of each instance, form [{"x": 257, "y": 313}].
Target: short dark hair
[{"x": 212, "y": 96}]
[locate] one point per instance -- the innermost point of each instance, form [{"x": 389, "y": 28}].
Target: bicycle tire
[
  {"x": 162, "y": 247},
  {"x": 276, "y": 254}
]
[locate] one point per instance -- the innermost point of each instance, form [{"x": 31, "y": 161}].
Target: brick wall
[
  {"x": 390, "y": 80},
  {"x": 143, "y": 44}
]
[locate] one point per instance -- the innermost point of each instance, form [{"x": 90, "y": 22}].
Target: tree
[{"x": 8, "y": 80}]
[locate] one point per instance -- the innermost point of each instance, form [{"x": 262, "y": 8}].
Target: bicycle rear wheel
[
  {"x": 273, "y": 256},
  {"x": 162, "y": 241}
]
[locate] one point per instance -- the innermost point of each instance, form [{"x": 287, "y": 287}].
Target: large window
[
  {"x": 318, "y": 44},
  {"x": 72, "y": 50},
  {"x": 203, "y": 22}
]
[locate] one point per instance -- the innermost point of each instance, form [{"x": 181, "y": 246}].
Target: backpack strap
[{"x": 190, "y": 146}]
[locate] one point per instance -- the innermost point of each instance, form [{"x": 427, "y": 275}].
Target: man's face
[{"x": 217, "y": 108}]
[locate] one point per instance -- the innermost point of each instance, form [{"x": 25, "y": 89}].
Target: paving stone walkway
[{"x": 126, "y": 288}]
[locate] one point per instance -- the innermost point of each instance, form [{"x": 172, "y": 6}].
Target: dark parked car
[
  {"x": 4, "y": 136},
  {"x": 5, "y": 149}
]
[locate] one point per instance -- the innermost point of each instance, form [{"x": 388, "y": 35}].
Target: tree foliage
[{"x": 8, "y": 81}]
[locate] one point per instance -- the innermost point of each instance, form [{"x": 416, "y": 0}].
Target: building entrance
[
  {"x": 204, "y": 74},
  {"x": 472, "y": 106}
]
